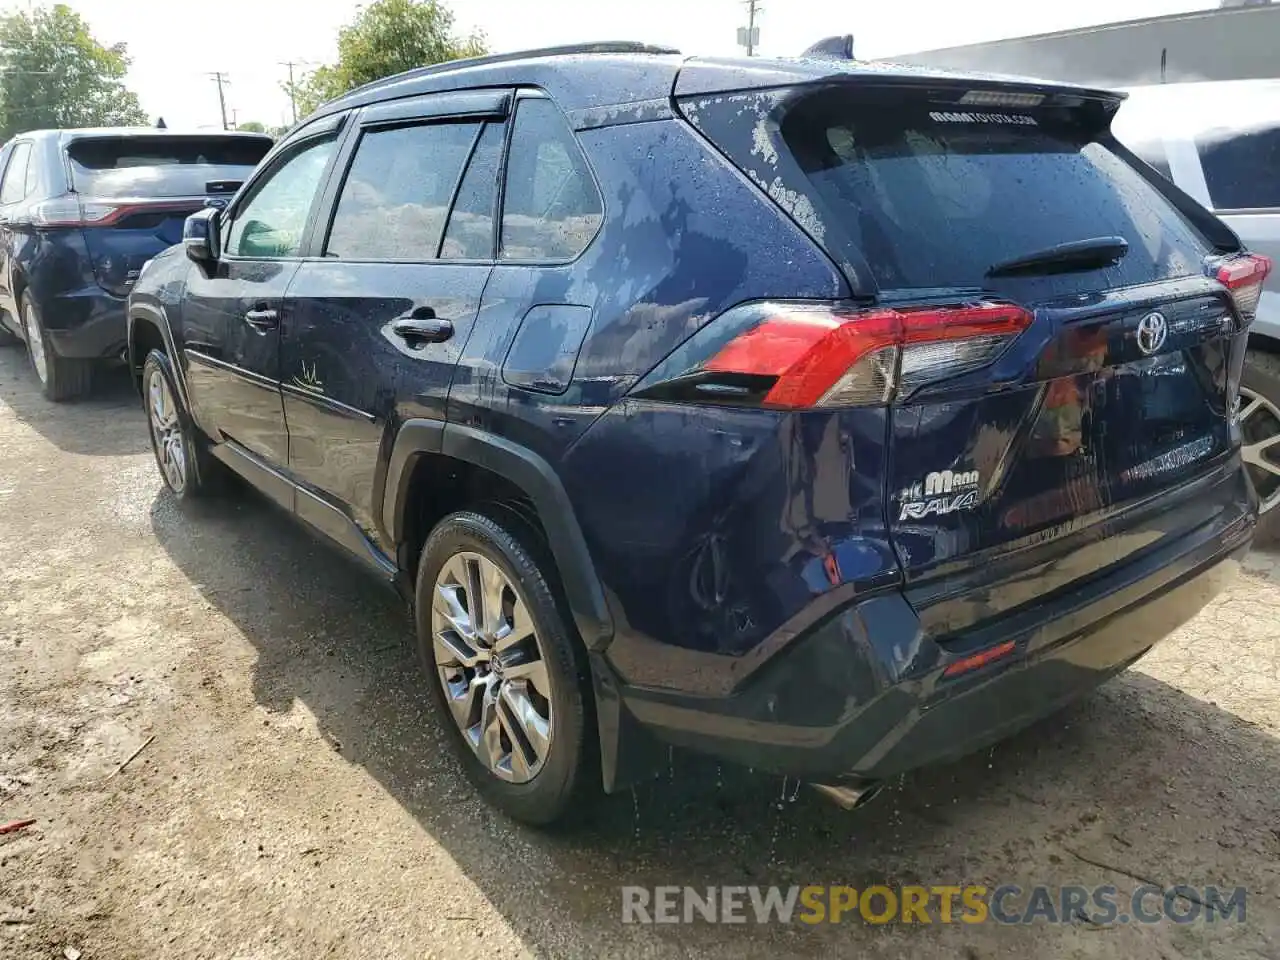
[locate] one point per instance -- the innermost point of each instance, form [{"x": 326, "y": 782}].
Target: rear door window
[
  {"x": 1241, "y": 169},
  {"x": 14, "y": 186},
  {"x": 551, "y": 208},
  {"x": 469, "y": 235},
  {"x": 395, "y": 199},
  {"x": 933, "y": 196},
  {"x": 159, "y": 166}
]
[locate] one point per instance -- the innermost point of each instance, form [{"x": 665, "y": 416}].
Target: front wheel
[
  {"x": 180, "y": 451},
  {"x": 508, "y": 678}
]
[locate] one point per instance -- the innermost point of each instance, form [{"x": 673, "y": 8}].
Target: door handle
[
  {"x": 261, "y": 318},
  {"x": 418, "y": 331}
]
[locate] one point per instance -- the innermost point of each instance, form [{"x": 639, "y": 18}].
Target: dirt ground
[{"x": 297, "y": 801}]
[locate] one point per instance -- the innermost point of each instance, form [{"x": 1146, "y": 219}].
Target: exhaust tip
[{"x": 848, "y": 796}]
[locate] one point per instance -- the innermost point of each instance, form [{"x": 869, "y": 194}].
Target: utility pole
[
  {"x": 220, "y": 78},
  {"x": 293, "y": 99},
  {"x": 750, "y": 37}
]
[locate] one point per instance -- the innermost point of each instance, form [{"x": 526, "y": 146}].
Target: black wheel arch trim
[
  {"x": 532, "y": 474},
  {"x": 155, "y": 315}
]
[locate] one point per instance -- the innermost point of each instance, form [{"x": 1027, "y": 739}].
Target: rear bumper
[
  {"x": 87, "y": 324},
  {"x": 863, "y": 695}
]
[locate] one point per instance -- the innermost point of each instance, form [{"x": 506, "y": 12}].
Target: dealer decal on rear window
[
  {"x": 940, "y": 493},
  {"x": 1011, "y": 119}
]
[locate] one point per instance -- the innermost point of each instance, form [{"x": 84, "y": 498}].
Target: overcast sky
[{"x": 175, "y": 43}]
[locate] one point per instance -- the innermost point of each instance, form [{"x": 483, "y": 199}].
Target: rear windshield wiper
[{"x": 1076, "y": 255}]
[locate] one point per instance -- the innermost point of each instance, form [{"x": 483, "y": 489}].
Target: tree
[
  {"x": 385, "y": 38},
  {"x": 252, "y": 126},
  {"x": 55, "y": 74}
]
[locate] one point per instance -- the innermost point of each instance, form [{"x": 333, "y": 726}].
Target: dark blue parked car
[
  {"x": 829, "y": 418},
  {"x": 80, "y": 212}
]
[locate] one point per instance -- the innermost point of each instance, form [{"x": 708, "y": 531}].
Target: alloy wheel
[
  {"x": 1260, "y": 428},
  {"x": 166, "y": 430},
  {"x": 492, "y": 666},
  {"x": 35, "y": 344}
]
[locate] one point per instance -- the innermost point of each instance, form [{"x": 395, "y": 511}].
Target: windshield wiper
[{"x": 1076, "y": 255}]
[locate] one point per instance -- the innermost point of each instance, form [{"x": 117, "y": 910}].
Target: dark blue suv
[
  {"x": 80, "y": 212},
  {"x": 821, "y": 416}
]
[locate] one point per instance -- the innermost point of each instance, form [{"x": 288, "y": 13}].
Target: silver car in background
[{"x": 1220, "y": 142}]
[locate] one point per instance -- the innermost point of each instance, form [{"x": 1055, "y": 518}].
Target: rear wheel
[
  {"x": 507, "y": 677},
  {"x": 1260, "y": 430},
  {"x": 61, "y": 378}
]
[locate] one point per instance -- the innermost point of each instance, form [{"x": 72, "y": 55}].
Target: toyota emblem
[{"x": 1152, "y": 331}]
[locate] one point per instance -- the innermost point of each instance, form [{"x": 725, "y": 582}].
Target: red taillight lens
[
  {"x": 76, "y": 211},
  {"x": 1244, "y": 276},
  {"x": 822, "y": 357}
]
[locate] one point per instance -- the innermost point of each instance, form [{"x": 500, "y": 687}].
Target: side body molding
[{"x": 532, "y": 474}]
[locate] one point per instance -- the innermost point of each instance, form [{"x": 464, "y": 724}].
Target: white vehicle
[{"x": 1220, "y": 142}]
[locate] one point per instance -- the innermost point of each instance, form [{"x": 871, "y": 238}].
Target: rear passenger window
[
  {"x": 396, "y": 196},
  {"x": 469, "y": 235},
  {"x": 551, "y": 208},
  {"x": 1241, "y": 170},
  {"x": 14, "y": 187}
]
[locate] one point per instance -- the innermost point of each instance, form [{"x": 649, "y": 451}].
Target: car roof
[
  {"x": 84, "y": 133},
  {"x": 587, "y": 76}
]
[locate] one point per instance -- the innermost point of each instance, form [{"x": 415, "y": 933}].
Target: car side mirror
[{"x": 202, "y": 235}]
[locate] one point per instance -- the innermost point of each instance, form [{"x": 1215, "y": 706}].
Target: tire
[
  {"x": 532, "y": 788},
  {"x": 1260, "y": 421},
  {"x": 181, "y": 451},
  {"x": 8, "y": 338},
  {"x": 61, "y": 378}
]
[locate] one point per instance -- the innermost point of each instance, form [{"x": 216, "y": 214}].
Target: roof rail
[{"x": 571, "y": 49}]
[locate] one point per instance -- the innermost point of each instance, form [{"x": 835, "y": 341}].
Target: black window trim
[
  {"x": 13, "y": 146},
  {"x": 284, "y": 155},
  {"x": 533, "y": 93}
]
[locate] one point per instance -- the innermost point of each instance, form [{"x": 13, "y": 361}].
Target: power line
[{"x": 220, "y": 78}]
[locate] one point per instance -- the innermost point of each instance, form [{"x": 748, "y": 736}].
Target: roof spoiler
[{"x": 832, "y": 48}]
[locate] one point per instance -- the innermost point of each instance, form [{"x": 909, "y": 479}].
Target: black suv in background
[{"x": 80, "y": 212}]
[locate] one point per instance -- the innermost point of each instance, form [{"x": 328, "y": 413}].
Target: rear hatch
[
  {"x": 134, "y": 192},
  {"x": 1065, "y": 356}
]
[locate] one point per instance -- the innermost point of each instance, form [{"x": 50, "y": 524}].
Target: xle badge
[{"x": 940, "y": 493}]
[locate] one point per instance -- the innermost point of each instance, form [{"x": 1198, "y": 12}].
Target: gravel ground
[{"x": 294, "y": 798}]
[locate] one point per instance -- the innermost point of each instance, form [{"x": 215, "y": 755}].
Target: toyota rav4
[{"x": 826, "y": 417}]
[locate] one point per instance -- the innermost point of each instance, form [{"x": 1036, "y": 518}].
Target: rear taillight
[
  {"x": 795, "y": 355},
  {"x": 75, "y": 211},
  {"x": 1244, "y": 276},
  {"x": 70, "y": 212}
]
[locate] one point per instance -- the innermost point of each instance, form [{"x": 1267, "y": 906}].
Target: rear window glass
[
  {"x": 1241, "y": 169},
  {"x": 161, "y": 166},
  {"x": 932, "y": 196}
]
